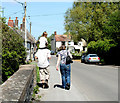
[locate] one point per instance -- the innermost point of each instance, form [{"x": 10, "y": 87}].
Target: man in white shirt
[
  {"x": 43, "y": 56},
  {"x": 43, "y": 40}
]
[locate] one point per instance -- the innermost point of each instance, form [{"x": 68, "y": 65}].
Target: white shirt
[
  {"x": 43, "y": 42},
  {"x": 43, "y": 55}
]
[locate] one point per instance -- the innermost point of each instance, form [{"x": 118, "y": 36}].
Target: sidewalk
[{"x": 57, "y": 93}]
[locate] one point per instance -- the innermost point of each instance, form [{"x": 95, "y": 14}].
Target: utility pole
[
  {"x": 30, "y": 27},
  {"x": 25, "y": 28},
  {"x": 30, "y": 24},
  {"x": 3, "y": 12},
  {"x": 25, "y": 20}
]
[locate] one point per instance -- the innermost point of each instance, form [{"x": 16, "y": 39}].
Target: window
[
  {"x": 75, "y": 43},
  {"x": 69, "y": 43},
  {"x": 63, "y": 42}
]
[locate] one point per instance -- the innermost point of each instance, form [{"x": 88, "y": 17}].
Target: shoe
[
  {"x": 43, "y": 85},
  {"x": 46, "y": 83},
  {"x": 67, "y": 86}
]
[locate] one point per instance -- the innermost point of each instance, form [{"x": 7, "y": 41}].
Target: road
[{"x": 89, "y": 83}]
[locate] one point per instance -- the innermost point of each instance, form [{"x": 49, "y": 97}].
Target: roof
[
  {"x": 62, "y": 38},
  {"x": 84, "y": 42}
]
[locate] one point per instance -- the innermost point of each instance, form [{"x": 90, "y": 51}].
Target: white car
[{"x": 92, "y": 58}]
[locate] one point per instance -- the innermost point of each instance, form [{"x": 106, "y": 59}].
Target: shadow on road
[
  {"x": 41, "y": 85},
  {"x": 59, "y": 86}
]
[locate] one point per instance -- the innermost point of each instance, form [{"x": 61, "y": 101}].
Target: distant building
[
  {"x": 59, "y": 40},
  {"x": 31, "y": 41}
]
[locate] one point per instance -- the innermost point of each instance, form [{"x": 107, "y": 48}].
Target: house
[
  {"x": 79, "y": 47},
  {"x": 31, "y": 41},
  {"x": 58, "y": 40}
]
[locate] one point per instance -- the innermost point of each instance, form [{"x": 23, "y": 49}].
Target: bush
[
  {"x": 13, "y": 52},
  {"x": 103, "y": 49}
]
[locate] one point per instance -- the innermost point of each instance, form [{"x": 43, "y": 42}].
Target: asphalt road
[
  {"x": 89, "y": 83},
  {"x": 96, "y": 83}
]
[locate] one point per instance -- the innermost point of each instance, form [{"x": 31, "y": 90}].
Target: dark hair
[
  {"x": 63, "y": 47},
  {"x": 44, "y": 33}
]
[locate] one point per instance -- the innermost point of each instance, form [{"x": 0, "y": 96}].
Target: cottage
[{"x": 66, "y": 40}]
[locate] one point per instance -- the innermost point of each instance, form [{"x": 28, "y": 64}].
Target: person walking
[
  {"x": 65, "y": 69},
  {"x": 43, "y": 56},
  {"x": 43, "y": 41}
]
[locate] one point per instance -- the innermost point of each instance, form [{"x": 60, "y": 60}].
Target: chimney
[
  {"x": 55, "y": 33},
  {"x": 10, "y": 22},
  {"x": 23, "y": 25},
  {"x": 30, "y": 27},
  {"x": 20, "y": 26},
  {"x": 16, "y": 22}
]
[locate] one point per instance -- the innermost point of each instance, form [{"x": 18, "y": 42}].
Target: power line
[
  {"x": 46, "y": 15},
  {"x": 19, "y": 2},
  {"x": 14, "y": 13}
]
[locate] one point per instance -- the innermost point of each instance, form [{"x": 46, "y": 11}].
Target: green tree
[
  {"x": 49, "y": 41},
  {"x": 13, "y": 51},
  {"x": 103, "y": 49},
  {"x": 112, "y": 28},
  {"x": 87, "y": 19},
  {"x": 99, "y": 24}
]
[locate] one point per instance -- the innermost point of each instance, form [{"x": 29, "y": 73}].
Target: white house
[
  {"x": 59, "y": 40},
  {"x": 79, "y": 47}
]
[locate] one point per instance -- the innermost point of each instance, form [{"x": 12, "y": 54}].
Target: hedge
[{"x": 13, "y": 52}]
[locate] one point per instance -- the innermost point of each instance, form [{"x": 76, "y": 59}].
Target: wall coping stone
[{"x": 14, "y": 89}]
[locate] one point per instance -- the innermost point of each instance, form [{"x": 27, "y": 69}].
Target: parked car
[
  {"x": 92, "y": 58},
  {"x": 83, "y": 58},
  {"x": 52, "y": 52}
]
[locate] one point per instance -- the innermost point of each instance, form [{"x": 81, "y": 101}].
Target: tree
[
  {"x": 49, "y": 41},
  {"x": 99, "y": 24},
  {"x": 13, "y": 52},
  {"x": 87, "y": 19}
]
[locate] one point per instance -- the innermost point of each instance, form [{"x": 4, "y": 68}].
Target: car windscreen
[{"x": 93, "y": 56}]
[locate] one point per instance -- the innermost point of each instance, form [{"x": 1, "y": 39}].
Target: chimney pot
[
  {"x": 55, "y": 33},
  {"x": 10, "y": 22},
  {"x": 20, "y": 26},
  {"x": 16, "y": 22},
  {"x": 23, "y": 19},
  {"x": 16, "y": 18}
]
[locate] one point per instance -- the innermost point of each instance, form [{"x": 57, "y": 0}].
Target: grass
[
  {"x": 38, "y": 75},
  {"x": 36, "y": 88}
]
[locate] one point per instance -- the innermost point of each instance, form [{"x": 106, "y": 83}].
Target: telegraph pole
[
  {"x": 3, "y": 12},
  {"x": 30, "y": 24},
  {"x": 25, "y": 20},
  {"x": 30, "y": 27},
  {"x": 25, "y": 29}
]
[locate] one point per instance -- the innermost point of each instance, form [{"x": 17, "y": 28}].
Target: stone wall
[{"x": 19, "y": 87}]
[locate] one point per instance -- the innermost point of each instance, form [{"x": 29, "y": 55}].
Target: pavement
[
  {"x": 81, "y": 86},
  {"x": 0, "y": 94},
  {"x": 55, "y": 93}
]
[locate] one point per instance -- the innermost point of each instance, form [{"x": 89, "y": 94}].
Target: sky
[{"x": 44, "y": 16}]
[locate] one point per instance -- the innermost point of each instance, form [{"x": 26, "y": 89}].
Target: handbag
[{"x": 68, "y": 59}]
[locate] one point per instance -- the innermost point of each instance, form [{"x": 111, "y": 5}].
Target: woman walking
[{"x": 65, "y": 69}]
